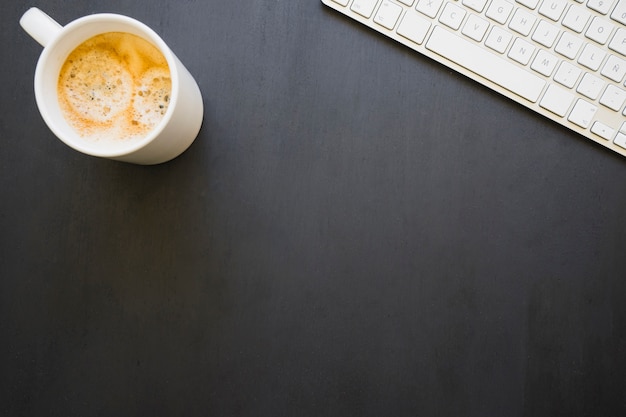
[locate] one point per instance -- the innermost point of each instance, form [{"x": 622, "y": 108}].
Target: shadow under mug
[{"x": 168, "y": 139}]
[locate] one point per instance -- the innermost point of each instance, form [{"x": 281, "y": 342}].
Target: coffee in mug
[{"x": 114, "y": 86}]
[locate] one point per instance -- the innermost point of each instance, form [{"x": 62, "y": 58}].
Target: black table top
[{"x": 356, "y": 231}]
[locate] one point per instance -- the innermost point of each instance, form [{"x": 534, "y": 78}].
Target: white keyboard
[{"x": 564, "y": 59}]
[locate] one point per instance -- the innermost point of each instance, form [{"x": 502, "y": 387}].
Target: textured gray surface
[{"x": 356, "y": 231}]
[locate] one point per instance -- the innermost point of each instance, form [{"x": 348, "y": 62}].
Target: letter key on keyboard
[{"x": 564, "y": 59}]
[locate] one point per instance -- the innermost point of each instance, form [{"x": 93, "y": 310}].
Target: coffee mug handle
[{"x": 40, "y": 26}]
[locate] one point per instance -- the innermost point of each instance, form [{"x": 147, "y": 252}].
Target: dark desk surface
[{"x": 357, "y": 231}]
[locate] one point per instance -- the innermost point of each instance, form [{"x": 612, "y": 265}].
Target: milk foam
[{"x": 114, "y": 87}]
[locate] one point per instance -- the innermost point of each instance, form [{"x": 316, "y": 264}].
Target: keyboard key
[
  {"x": 620, "y": 140},
  {"x": 590, "y": 86},
  {"x": 619, "y": 13},
  {"x": 618, "y": 43},
  {"x": 429, "y": 7},
  {"x": 364, "y": 7},
  {"x": 567, "y": 74},
  {"x": 498, "y": 39},
  {"x": 600, "y": 6},
  {"x": 553, "y": 9},
  {"x": 569, "y": 45},
  {"x": 544, "y": 63},
  {"x": 591, "y": 57},
  {"x": 476, "y": 5},
  {"x": 452, "y": 16},
  {"x": 489, "y": 66},
  {"x": 556, "y": 99},
  {"x": 521, "y": 51},
  {"x": 475, "y": 28},
  {"x": 545, "y": 34},
  {"x": 582, "y": 114},
  {"x": 414, "y": 27},
  {"x": 613, "y": 98},
  {"x": 522, "y": 22},
  {"x": 615, "y": 68},
  {"x": 576, "y": 18},
  {"x": 602, "y": 130},
  {"x": 599, "y": 30},
  {"x": 388, "y": 14},
  {"x": 531, "y": 4},
  {"x": 499, "y": 10}
]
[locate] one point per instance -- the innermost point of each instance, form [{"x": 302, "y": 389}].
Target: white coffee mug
[{"x": 168, "y": 139}]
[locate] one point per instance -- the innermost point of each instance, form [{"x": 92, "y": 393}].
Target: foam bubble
[
  {"x": 152, "y": 97},
  {"x": 96, "y": 85}
]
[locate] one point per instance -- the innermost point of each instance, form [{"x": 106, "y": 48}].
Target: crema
[{"x": 114, "y": 87}]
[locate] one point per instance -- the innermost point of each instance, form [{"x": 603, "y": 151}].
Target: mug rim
[{"x": 76, "y": 141}]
